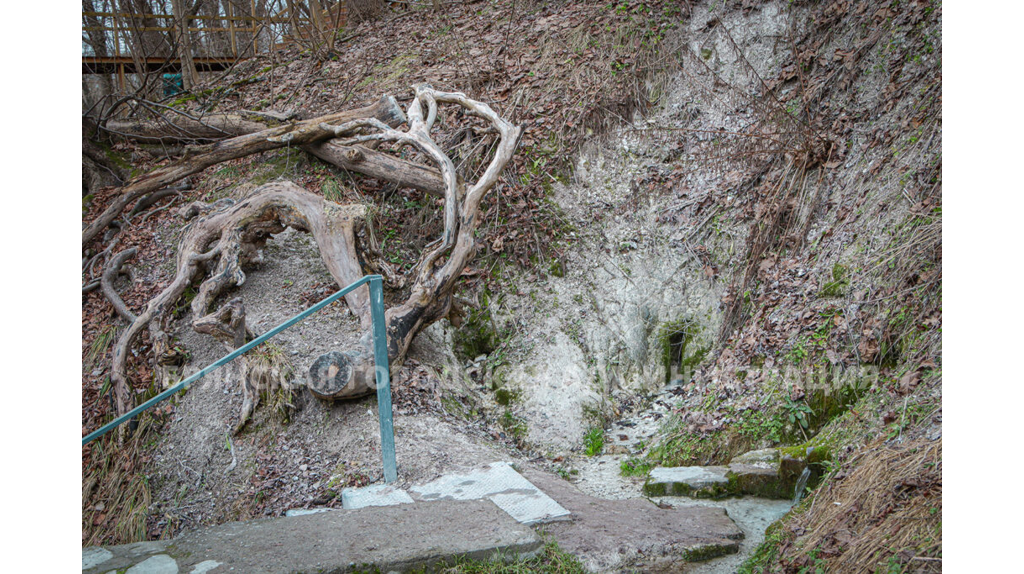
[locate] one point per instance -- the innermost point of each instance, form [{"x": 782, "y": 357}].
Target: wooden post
[
  {"x": 117, "y": 56},
  {"x": 255, "y": 45},
  {"x": 231, "y": 30}
]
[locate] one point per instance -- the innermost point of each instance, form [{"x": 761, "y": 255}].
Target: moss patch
[
  {"x": 837, "y": 286},
  {"x": 676, "y": 340},
  {"x": 504, "y": 397},
  {"x": 477, "y": 334}
]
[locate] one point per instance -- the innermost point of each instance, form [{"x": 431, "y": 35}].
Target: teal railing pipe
[{"x": 380, "y": 359}]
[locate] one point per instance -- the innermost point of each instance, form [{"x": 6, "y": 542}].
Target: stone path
[
  {"x": 480, "y": 514},
  {"x": 390, "y": 537}
]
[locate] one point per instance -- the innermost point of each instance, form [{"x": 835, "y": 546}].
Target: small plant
[
  {"x": 99, "y": 346},
  {"x": 798, "y": 413},
  {"x": 514, "y": 426},
  {"x": 798, "y": 352},
  {"x": 634, "y": 466},
  {"x": 593, "y": 441}
]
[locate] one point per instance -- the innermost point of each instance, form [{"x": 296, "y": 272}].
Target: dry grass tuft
[
  {"x": 885, "y": 515},
  {"x": 115, "y": 494},
  {"x": 269, "y": 373}
]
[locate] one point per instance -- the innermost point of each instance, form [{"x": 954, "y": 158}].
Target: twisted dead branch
[
  {"x": 386, "y": 110},
  {"x": 226, "y": 237}
]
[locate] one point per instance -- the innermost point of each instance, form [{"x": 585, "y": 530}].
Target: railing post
[{"x": 383, "y": 376}]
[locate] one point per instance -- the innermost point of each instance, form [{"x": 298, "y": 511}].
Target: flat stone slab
[
  {"x": 635, "y": 535},
  {"x": 765, "y": 458},
  {"x": 388, "y": 537},
  {"x": 500, "y": 483},
  {"x": 374, "y": 495},
  {"x": 696, "y": 481},
  {"x": 305, "y": 511},
  {"x": 758, "y": 476}
]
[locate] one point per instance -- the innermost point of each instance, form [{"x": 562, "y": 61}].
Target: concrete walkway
[
  {"x": 388, "y": 537},
  {"x": 481, "y": 514}
]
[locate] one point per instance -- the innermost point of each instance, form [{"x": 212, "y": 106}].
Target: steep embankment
[
  {"x": 776, "y": 225},
  {"x": 766, "y": 233}
]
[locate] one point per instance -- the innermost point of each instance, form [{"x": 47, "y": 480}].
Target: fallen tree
[
  {"x": 225, "y": 237},
  {"x": 197, "y": 159}
]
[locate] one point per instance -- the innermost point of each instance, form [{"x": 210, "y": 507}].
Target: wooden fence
[{"x": 119, "y": 42}]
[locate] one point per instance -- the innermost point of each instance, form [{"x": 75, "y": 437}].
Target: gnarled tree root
[
  {"x": 213, "y": 252},
  {"x": 218, "y": 244}
]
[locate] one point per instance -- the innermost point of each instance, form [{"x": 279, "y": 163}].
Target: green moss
[
  {"x": 477, "y": 335},
  {"x": 713, "y": 491},
  {"x": 280, "y": 164},
  {"x": 676, "y": 339},
  {"x": 550, "y": 560},
  {"x": 707, "y": 552},
  {"x": 760, "y": 485},
  {"x": 837, "y": 286},
  {"x": 504, "y": 397}
]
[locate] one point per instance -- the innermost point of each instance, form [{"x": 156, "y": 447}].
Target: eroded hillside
[{"x": 739, "y": 202}]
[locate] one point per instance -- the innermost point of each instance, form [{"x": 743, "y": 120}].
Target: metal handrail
[{"x": 380, "y": 359}]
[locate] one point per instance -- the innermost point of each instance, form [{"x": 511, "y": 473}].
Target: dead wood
[
  {"x": 110, "y": 273},
  {"x": 178, "y": 127},
  {"x": 386, "y": 110},
  {"x": 380, "y": 165},
  {"x": 216, "y": 247},
  {"x": 216, "y": 127},
  {"x": 224, "y": 239}
]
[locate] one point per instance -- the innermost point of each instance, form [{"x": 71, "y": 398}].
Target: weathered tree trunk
[
  {"x": 385, "y": 110},
  {"x": 183, "y": 38},
  {"x": 216, "y": 127},
  {"x": 180, "y": 127}
]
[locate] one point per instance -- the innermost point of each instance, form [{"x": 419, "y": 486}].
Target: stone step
[
  {"x": 390, "y": 538},
  {"x": 764, "y": 473},
  {"x": 617, "y": 535}
]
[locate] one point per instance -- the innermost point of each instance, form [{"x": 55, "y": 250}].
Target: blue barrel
[{"x": 173, "y": 84}]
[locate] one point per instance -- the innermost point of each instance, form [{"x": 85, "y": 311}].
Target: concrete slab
[
  {"x": 696, "y": 481},
  {"x": 635, "y": 534},
  {"x": 305, "y": 511},
  {"x": 374, "y": 495},
  {"x": 389, "y": 537},
  {"x": 500, "y": 483}
]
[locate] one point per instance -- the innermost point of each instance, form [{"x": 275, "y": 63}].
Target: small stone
[
  {"x": 159, "y": 564},
  {"x": 204, "y": 567},
  {"x": 303, "y": 467}
]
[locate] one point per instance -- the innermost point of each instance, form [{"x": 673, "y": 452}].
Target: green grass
[
  {"x": 634, "y": 466},
  {"x": 593, "y": 441}
]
